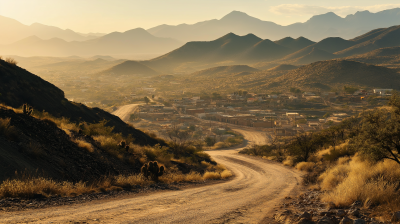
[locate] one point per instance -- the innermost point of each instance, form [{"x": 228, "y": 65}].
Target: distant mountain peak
[{"x": 234, "y": 15}]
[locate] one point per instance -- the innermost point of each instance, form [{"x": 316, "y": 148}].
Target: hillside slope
[
  {"x": 19, "y": 86},
  {"x": 326, "y": 74},
  {"x": 133, "y": 68}
]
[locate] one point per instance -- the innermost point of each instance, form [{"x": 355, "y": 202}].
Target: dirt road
[
  {"x": 125, "y": 112},
  {"x": 251, "y": 195}
]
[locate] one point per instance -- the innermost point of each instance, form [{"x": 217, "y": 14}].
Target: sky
[{"x": 106, "y": 16}]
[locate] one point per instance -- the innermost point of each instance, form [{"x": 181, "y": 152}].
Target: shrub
[
  {"x": 305, "y": 166},
  {"x": 361, "y": 180},
  {"x": 83, "y": 144},
  {"x": 11, "y": 61},
  {"x": 211, "y": 176},
  {"x": 289, "y": 161}
]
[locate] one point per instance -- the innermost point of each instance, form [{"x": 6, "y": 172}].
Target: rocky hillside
[{"x": 19, "y": 86}]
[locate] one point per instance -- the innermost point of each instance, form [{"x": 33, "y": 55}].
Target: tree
[
  {"x": 146, "y": 99},
  {"x": 304, "y": 145},
  {"x": 210, "y": 141},
  {"x": 379, "y": 136}
]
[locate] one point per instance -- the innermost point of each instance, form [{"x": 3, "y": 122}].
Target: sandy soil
[{"x": 258, "y": 186}]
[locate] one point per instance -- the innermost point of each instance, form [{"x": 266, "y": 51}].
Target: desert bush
[
  {"x": 83, "y": 144},
  {"x": 8, "y": 131},
  {"x": 11, "y": 61},
  {"x": 211, "y": 175},
  {"x": 361, "y": 180},
  {"x": 305, "y": 166},
  {"x": 289, "y": 161},
  {"x": 226, "y": 174},
  {"x": 96, "y": 129}
]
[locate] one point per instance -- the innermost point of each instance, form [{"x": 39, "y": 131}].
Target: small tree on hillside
[
  {"x": 379, "y": 136},
  {"x": 146, "y": 99}
]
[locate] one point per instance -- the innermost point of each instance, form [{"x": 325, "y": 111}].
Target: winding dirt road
[
  {"x": 125, "y": 112},
  {"x": 249, "y": 197}
]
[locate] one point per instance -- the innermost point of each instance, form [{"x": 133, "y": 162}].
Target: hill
[
  {"x": 327, "y": 74},
  {"x": 20, "y": 86},
  {"x": 316, "y": 28},
  {"x": 132, "y": 42},
  {"x": 133, "y": 68},
  {"x": 373, "y": 40},
  {"x": 389, "y": 57},
  {"x": 283, "y": 67},
  {"x": 225, "y": 70},
  {"x": 230, "y": 49},
  {"x": 315, "y": 55},
  {"x": 295, "y": 44}
]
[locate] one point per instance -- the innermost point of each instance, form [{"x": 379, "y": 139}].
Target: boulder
[
  {"x": 325, "y": 220},
  {"x": 306, "y": 215},
  {"x": 341, "y": 213},
  {"x": 305, "y": 221},
  {"x": 359, "y": 221},
  {"x": 346, "y": 220},
  {"x": 396, "y": 217}
]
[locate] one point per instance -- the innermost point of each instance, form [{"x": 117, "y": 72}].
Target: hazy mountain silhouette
[
  {"x": 229, "y": 49},
  {"x": 136, "y": 41},
  {"x": 295, "y": 44},
  {"x": 14, "y": 31},
  {"x": 316, "y": 28},
  {"x": 132, "y": 68}
]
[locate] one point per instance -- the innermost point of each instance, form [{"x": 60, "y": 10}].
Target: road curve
[
  {"x": 257, "y": 186},
  {"x": 125, "y": 112}
]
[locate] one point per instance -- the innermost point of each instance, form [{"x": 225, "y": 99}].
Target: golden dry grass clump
[
  {"x": 361, "y": 180},
  {"x": 305, "y": 166}
]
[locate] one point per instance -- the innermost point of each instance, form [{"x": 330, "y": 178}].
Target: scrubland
[
  {"x": 355, "y": 160},
  {"x": 183, "y": 162}
]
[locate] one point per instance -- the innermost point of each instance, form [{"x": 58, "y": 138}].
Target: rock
[
  {"x": 396, "y": 216},
  {"x": 325, "y": 214},
  {"x": 346, "y": 220},
  {"x": 341, "y": 213},
  {"x": 359, "y": 221},
  {"x": 355, "y": 213},
  {"x": 356, "y": 204},
  {"x": 305, "y": 221},
  {"x": 306, "y": 215},
  {"x": 325, "y": 220}
]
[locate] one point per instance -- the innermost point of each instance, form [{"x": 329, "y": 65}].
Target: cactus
[
  {"x": 152, "y": 170},
  {"x": 27, "y": 109},
  {"x": 127, "y": 148}
]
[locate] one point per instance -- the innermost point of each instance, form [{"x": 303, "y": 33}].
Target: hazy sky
[{"x": 121, "y": 15}]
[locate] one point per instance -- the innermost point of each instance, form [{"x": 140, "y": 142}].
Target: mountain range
[
  {"x": 232, "y": 49},
  {"x": 14, "y": 31},
  {"x": 316, "y": 28},
  {"x": 131, "y": 42}
]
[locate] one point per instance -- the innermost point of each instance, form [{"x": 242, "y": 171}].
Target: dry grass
[
  {"x": 363, "y": 181},
  {"x": 226, "y": 174},
  {"x": 4, "y": 125},
  {"x": 83, "y": 144},
  {"x": 11, "y": 61},
  {"x": 29, "y": 187},
  {"x": 289, "y": 161},
  {"x": 212, "y": 175},
  {"x": 305, "y": 166}
]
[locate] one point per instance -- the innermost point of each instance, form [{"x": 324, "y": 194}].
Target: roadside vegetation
[
  {"x": 171, "y": 162},
  {"x": 355, "y": 160}
]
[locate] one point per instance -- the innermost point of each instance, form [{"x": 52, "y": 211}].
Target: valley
[{"x": 230, "y": 120}]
